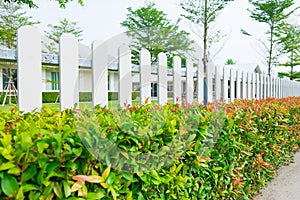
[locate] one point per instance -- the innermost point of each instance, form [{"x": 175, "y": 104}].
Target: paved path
[{"x": 286, "y": 186}]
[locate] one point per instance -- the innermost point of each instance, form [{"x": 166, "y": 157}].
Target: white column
[
  {"x": 29, "y": 69},
  {"x": 99, "y": 74},
  {"x": 125, "y": 79},
  {"x": 162, "y": 79}
]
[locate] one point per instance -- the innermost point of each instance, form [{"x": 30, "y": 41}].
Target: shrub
[
  {"x": 50, "y": 97},
  {"x": 43, "y": 155}
]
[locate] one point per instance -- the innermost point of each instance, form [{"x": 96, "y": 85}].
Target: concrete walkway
[{"x": 286, "y": 186}]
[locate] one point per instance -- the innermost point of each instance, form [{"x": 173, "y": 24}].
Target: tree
[
  {"x": 56, "y": 31},
  {"x": 203, "y": 14},
  {"x": 149, "y": 28},
  {"x": 12, "y": 17},
  {"x": 289, "y": 39},
  {"x": 230, "y": 61},
  {"x": 31, "y": 4},
  {"x": 273, "y": 13}
]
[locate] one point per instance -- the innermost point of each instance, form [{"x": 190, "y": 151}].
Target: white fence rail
[{"x": 222, "y": 83}]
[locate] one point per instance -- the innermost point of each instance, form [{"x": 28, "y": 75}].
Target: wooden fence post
[
  {"x": 99, "y": 74},
  {"x": 68, "y": 71},
  {"x": 225, "y": 84},
  {"x": 238, "y": 84},
  {"x": 254, "y": 82},
  {"x": 162, "y": 79},
  {"x": 218, "y": 86},
  {"x": 177, "y": 92},
  {"x": 232, "y": 84},
  {"x": 145, "y": 76},
  {"x": 209, "y": 82},
  {"x": 258, "y": 94},
  {"x": 125, "y": 80},
  {"x": 200, "y": 82},
  {"x": 189, "y": 81},
  {"x": 29, "y": 69}
]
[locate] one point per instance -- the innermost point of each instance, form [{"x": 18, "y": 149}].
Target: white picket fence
[{"x": 220, "y": 81}]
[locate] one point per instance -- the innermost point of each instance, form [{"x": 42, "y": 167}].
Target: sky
[{"x": 100, "y": 20}]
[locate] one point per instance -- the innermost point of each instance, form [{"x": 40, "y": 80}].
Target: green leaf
[
  {"x": 26, "y": 141},
  {"x": 40, "y": 146},
  {"x": 15, "y": 171},
  {"x": 94, "y": 196},
  {"x": 29, "y": 173},
  {"x": 52, "y": 166},
  {"x": 30, "y": 187},
  {"x": 217, "y": 169},
  {"x": 67, "y": 188},
  {"x": 9, "y": 185},
  {"x": 57, "y": 190},
  {"x": 6, "y": 166}
]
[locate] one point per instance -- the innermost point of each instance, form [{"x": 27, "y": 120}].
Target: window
[
  {"x": 54, "y": 80},
  {"x": 153, "y": 89}
]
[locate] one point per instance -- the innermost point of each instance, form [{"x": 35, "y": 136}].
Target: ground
[{"x": 286, "y": 186}]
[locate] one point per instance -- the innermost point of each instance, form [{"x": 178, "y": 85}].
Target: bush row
[
  {"x": 219, "y": 151},
  {"x": 50, "y": 97}
]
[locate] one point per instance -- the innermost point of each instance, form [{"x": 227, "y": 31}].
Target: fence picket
[
  {"x": 225, "y": 84},
  {"x": 125, "y": 80},
  {"x": 145, "y": 76},
  {"x": 162, "y": 79},
  {"x": 242, "y": 85},
  {"x": 99, "y": 74},
  {"x": 200, "y": 82},
  {"x": 177, "y": 80},
  {"x": 68, "y": 71},
  {"x": 189, "y": 81},
  {"x": 29, "y": 69},
  {"x": 218, "y": 85},
  {"x": 232, "y": 84}
]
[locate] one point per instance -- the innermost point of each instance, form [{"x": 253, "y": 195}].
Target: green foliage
[
  {"x": 203, "y": 14},
  {"x": 42, "y": 155},
  {"x": 230, "y": 62},
  {"x": 32, "y": 4},
  {"x": 292, "y": 75},
  {"x": 12, "y": 17},
  {"x": 56, "y": 31},
  {"x": 288, "y": 38},
  {"x": 49, "y": 97},
  {"x": 149, "y": 28},
  {"x": 273, "y": 13}
]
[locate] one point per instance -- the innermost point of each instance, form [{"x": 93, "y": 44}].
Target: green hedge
[
  {"x": 50, "y": 97},
  {"x": 43, "y": 155}
]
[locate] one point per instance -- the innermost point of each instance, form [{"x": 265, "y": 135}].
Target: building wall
[{"x": 85, "y": 80}]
